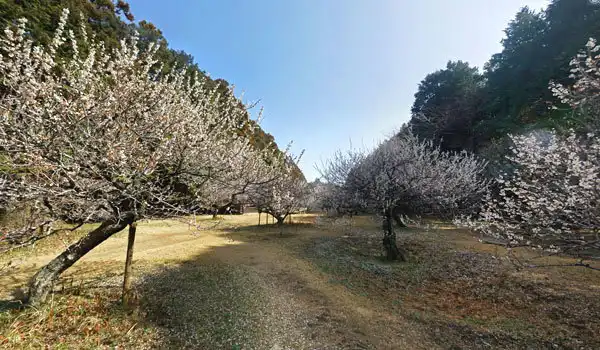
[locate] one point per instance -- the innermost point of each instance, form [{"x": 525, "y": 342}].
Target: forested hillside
[
  {"x": 112, "y": 21},
  {"x": 464, "y": 108}
]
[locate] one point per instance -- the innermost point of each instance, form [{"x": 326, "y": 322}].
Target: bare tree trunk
[
  {"x": 389, "y": 239},
  {"x": 280, "y": 222},
  {"x": 128, "y": 262},
  {"x": 43, "y": 281},
  {"x": 259, "y": 218}
]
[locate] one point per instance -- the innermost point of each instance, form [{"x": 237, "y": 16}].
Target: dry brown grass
[
  {"x": 69, "y": 321},
  {"x": 465, "y": 294},
  {"x": 319, "y": 283}
]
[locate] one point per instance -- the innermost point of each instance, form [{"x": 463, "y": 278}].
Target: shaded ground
[
  {"x": 318, "y": 285},
  {"x": 269, "y": 297},
  {"x": 464, "y": 294}
]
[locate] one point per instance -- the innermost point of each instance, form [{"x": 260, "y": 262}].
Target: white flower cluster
[
  {"x": 92, "y": 133},
  {"x": 284, "y": 196},
  {"x": 552, "y": 199},
  {"x": 404, "y": 172},
  {"x": 585, "y": 70}
]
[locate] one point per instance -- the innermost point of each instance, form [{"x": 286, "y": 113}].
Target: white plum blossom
[
  {"x": 583, "y": 95},
  {"x": 283, "y": 196},
  {"x": 103, "y": 136},
  {"x": 406, "y": 176},
  {"x": 334, "y": 199},
  {"x": 551, "y": 199}
]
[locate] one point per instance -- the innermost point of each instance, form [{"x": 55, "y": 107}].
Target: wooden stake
[{"x": 128, "y": 262}]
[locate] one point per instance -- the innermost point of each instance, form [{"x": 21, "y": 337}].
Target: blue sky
[{"x": 331, "y": 71}]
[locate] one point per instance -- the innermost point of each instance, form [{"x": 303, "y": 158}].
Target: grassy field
[{"x": 321, "y": 283}]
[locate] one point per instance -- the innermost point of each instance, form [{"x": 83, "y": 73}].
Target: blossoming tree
[
  {"x": 334, "y": 199},
  {"x": 100, "y": 136},
  {"x": 283, "y": 196},
  {"x": 552, "y": 198},
  {"x": 404, "y": 175}
]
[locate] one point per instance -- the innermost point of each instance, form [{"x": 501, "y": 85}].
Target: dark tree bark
[
  {"x": 397, "y": 215},
  {"x": 43, "y": 281},
  {"x": 389, "y": 239},
  {"x": 280, "y": 220},
  {"x": 398, "y": 219},
  {"x": 128, "y": 263}
]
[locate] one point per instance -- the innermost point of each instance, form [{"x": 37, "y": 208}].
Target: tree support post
[
  {"x": 127, "y": 293},
  {"x": 42, "y": 282}
]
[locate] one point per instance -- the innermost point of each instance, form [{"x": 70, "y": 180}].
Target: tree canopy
[
  {"x": 110, "y": 22},
  {"x": 96, "y": 131},
  {"x": 463, "y": 109},
  {"x": 446, "y": 105}
]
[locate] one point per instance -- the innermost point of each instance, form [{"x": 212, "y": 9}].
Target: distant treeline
[{"x": 463, "y": 108}]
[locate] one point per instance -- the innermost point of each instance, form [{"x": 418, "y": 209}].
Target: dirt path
[
  {"x": 334, "y": 317},
  {"x": 236, "y": 285}
]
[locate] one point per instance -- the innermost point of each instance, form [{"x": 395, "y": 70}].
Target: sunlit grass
[{"x": 218, "y": 283}]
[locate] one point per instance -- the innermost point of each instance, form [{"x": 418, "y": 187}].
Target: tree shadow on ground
[
  {"x": 467, "y": 298},
  {"x": 208, "y": 303},
  {"x": 201, "y": 304},
  {"x": 240, "y": 296},
  {"x": 7, "y": 305},
  {"x": 255, "y": 233}
]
